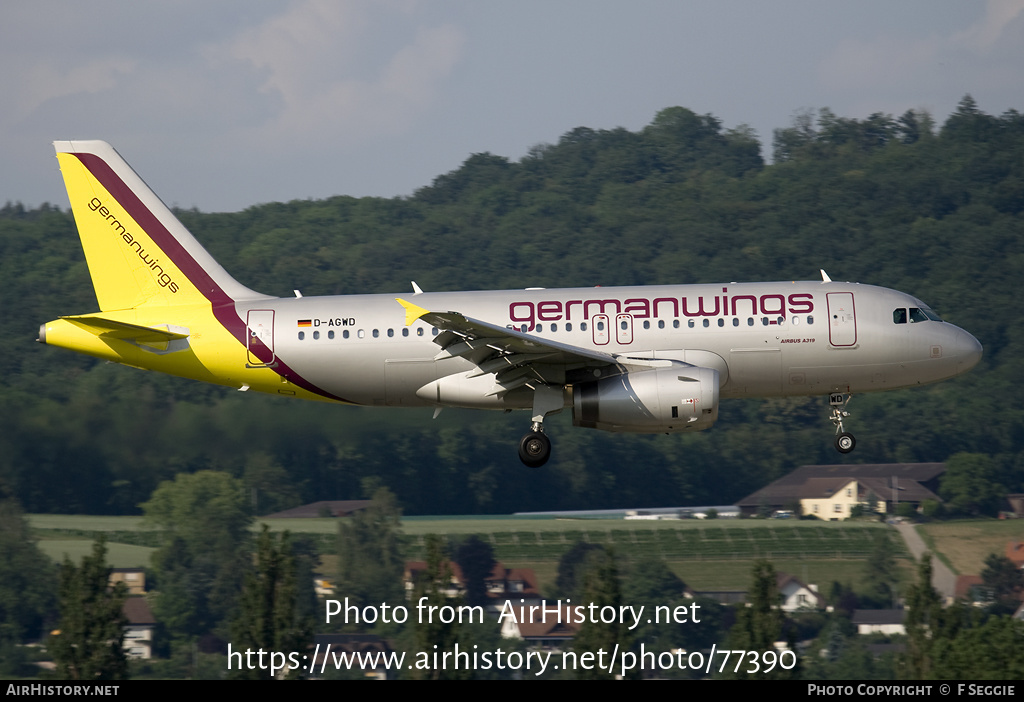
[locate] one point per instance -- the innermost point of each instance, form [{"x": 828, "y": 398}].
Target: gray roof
[
  {"x": 823, "y": 481},
  {"x": 334, "y": 508}
]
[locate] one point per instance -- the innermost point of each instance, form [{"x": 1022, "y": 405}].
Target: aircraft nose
[{"x": 968, "y": 351}]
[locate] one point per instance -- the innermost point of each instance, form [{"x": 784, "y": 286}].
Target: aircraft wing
[{"x": 515, "y": 357}]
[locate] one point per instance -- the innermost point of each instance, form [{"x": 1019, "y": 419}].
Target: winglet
[
  {"x": 824, "y": 276},
  {"x": 412, "y": 312}
]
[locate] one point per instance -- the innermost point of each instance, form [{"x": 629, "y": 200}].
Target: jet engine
[{"x": 673, "y": 399}]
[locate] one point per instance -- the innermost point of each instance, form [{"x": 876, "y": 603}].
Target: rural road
[{"x": 943, "y": 579}]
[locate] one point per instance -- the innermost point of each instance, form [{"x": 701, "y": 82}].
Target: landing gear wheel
[
  {"x": 534, "y": 449},
  {"x": 845, "y": 442}
]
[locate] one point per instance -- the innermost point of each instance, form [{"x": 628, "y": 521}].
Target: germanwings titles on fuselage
[{"x": 646, "y": 359}]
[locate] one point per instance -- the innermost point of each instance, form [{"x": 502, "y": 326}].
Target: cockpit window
[{"x": 917, "y": 314}]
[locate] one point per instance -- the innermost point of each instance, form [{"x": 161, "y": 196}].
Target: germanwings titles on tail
[{"x": 646, "y": 359}]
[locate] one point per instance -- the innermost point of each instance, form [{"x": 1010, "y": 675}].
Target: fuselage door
[
  {"x": 842, "y": 321},
  {"x": 624, "y": 328},
  {"x": 599, "y": 323},
  {"x": 259, "y": 340}
]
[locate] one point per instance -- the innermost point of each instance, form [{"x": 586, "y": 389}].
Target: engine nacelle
[{"x": 655, "y": 401}]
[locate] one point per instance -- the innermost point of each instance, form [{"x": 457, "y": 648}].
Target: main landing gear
[
  {"x": 535, "y": 447},
  {"x": 844, "y": 440}
]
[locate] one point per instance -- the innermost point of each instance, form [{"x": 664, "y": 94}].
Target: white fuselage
[{"x": 765, "y": 339}]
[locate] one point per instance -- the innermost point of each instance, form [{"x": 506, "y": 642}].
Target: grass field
[
  {"x": 118, "y": 555},
  {"x": 965, "y": 544},
  {"x": 706, "y": 554},
  {"x": 689, "y": 540}
]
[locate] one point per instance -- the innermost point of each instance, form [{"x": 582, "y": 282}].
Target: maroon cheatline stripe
[{"x": 222, "y": 304}]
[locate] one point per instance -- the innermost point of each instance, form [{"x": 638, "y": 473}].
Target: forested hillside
[{"x": 933, "y": 209}]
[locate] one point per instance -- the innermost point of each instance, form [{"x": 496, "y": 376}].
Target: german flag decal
[{"x": 305, "y": 323}]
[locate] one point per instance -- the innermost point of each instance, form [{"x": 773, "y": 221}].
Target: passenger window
[
  {"x": 391, "y": 332},
  {"x": 735, "y": 321},
  {"x": 661, "y": 324},
  {"x": 600, "y": 326},
  {"x": 810, "y": 319},
  {"x": 376, "y": 333},
  {"x": 302, "y": 335},
  {"x": 316, "y": 335},
  {"x": 707, "y": 323},
  {"x": 721, "y": 322},
  {"x": 675, "y": 323},
  {"x": 583, "y": 326},
  {"x": 689, "y": 323},
  {"x": 750, "y": 321},
  {"x": 568, "y": 326},
  {"x": 330, "y": 334},
  {"x": 405, "y": 331},
  {"x": 899, "y": 316},
  {"x": 344, "y": 334},
  {"x": 361, "y": 334},
  {"x": 419, "y": 332}
]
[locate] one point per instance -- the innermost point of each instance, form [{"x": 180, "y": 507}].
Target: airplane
[{"x": 643, "y": 359}]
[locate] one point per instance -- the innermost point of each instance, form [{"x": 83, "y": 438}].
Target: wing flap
[{"x": 467, "y": 346}]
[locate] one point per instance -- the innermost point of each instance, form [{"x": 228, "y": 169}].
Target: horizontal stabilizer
[{"x": 111, "y": 329}]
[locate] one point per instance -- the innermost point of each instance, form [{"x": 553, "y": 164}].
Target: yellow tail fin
[{"x": 138, "y": 253}]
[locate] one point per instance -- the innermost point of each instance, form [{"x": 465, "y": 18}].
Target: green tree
[
  {"x": 988, "y": 651},
  {"x": 600, "y": 587},
  {"x": 649, "y": 582},
  {"x": 924, "y": 616},
  {"x": 432, "y": 635},
  {"x": 270, "y": 486},
  {"x": 370, "y": 561},
  {"x": 841, "y": 654},
  {"x": 1005, "y": 580},
  {"x": 571, "y": 566},
  {"x": 475, "y": 559},
  {"x": 759, "y": 624},
  {"x": 971, "y": 485},
  {"x": 26, "y": 597},
  {"x": 269, "y": 617},
  {"x": 881, "y": 574},
  {"x": 88, "y": 644},
  {"x": 205, "y": 552}
]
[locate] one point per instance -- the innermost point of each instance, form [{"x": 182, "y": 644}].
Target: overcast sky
[{"x": 223, "y": 105}]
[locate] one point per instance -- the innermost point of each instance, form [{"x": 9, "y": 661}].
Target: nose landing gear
[{"x": 845, "y": 442}]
